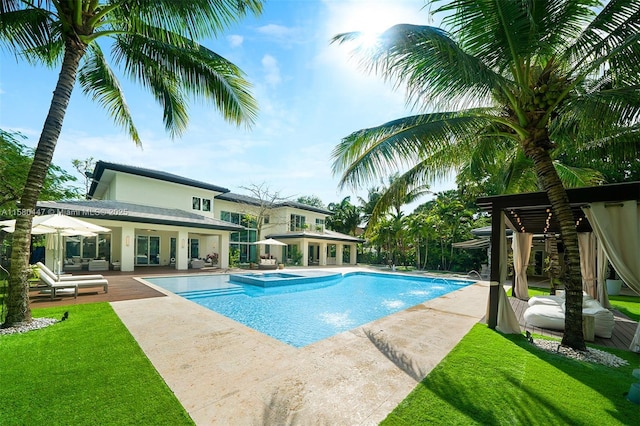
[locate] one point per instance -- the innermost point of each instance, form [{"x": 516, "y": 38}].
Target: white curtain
[
  {"x": 521, "y": 246},
  {"x": 601, "y": 289},
  {"x": 617, "y": 227},
  {"x": 587, "y": 246},
  {"x": 507, "y": 320}
]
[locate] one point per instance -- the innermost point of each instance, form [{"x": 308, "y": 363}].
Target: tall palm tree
[
  {"x": 155, "y": 42},
  {"x": 537, "y": 74}
]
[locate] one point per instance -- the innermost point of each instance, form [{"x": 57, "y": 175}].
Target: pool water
[{"x": 301, "y": 314}]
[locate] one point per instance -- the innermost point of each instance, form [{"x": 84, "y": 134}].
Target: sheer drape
[
  {"x": 617, "y": 227},
  {"x": 521, "y": 246},
  {"x": 587, "y": 246},
  {"x": 601, "y": 289}
]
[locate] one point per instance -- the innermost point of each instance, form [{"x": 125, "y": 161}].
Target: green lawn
[
  {"x": 90, "y": 370},
  {"x": 86, "y": 370},
  {"x": 493, "y": 379}
]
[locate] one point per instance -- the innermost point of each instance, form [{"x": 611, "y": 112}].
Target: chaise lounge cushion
[
  {"x": 544, "y": 313},
  {"x": 79, "y": 281}
]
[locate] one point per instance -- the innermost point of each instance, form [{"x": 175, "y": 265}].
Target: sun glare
[{"x": 371, "y": 19}]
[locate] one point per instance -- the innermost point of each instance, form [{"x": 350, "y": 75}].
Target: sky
[{"x": 310, "y": 95}]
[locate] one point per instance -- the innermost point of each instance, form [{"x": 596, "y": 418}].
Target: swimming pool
[{"x": 301, "y": 314}]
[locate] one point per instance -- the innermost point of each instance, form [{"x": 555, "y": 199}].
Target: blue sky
[{"x": 310, "y": 94}]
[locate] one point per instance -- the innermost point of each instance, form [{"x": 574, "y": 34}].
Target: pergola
[{"x": 531, "y": 212}]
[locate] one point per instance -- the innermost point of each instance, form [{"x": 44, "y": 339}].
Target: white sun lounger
[{"x": 80, "y": 281}]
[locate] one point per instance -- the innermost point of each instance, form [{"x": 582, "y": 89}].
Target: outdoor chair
[{"x": 81, "y": 281}]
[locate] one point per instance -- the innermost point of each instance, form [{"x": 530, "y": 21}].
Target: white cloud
[
  {"x": 277, "y": 31},
  {"x": 235, "y": 40},
  {"x": 271, "y": 70}
]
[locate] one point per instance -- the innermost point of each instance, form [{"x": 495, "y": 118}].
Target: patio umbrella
[
  {"x": 270, "y": 242},
  {"x": 62, "y": 226}
]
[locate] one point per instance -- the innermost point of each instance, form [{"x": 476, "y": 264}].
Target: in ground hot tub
[{"x": 274, "y": 279}]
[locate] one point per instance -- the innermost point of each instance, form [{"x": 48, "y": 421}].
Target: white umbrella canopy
[
  {"x": 270, "y": 242},
  {"x": 54, "y": 223},
  {"x": 62, "y": 226}
]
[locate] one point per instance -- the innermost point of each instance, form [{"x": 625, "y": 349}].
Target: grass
[
  {"x": 85, "y": 370},
  {"x": 495, "y": 379}
]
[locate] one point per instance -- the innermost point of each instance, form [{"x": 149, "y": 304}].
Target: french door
[{"x": 147, "y": 250}]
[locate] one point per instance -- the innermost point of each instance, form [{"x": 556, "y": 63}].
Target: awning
[{"x": 476, "y": 243}]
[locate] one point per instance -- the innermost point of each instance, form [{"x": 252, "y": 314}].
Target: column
[
  {"x": 353, "y": 260},
  {"x": 305, "y": 252},
  {"x": 339, "y": 253},
  {"x": 322, "y": 261},
  {"x": 497, "y": 277},
  {"x": 127, "y": 248},
  {"x": 223, "y": 255},
  {"x": 182, "y": 251}
]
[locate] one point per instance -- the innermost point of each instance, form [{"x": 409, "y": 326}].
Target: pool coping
[{"x": 224, "y": 372}]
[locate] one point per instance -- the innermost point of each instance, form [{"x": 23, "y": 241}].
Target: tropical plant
[
  {"x": 155, "y": 42},
  {"x": 311, "y": 200},
  {"x": 85, "y": 169},
  {"x": 345, "y": 218},
  {"x": 16, "y": 160},
  {"x": 534, "y": 74}
]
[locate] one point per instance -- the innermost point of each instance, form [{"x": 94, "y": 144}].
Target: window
[
  {"x": 194, "y": 248},
  {"x": 265, "y": 219},
  {"x": 206, "y": 205},
  {"x": 243, "y": 240},
  {"x": 195, "y": 203},
  {"x": 98, "y": 247},
  {"x": 320, "y": 225},
  {"x": 297, "y": 223}
]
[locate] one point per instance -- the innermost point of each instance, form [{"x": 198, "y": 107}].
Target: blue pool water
[{"x": 301, "y": 314}]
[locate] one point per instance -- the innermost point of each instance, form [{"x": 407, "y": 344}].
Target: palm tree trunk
[
  {"x": 550, "y": 181},
  {"x": 18, "y": 309}
]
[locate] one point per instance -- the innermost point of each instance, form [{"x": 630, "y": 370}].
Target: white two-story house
[{"x": 160, "y": 219}]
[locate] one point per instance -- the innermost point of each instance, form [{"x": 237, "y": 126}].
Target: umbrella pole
[{"x": 58, "y": 250}]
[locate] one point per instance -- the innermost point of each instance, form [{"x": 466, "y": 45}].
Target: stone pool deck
[{"x": 225, "y": 373}]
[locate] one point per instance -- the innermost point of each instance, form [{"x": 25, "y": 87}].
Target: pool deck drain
[{"x": 225, "y": 373}]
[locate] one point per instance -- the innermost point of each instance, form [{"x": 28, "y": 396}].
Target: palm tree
[
  {"x": 153, "y": 42},
  {"x": 536, "y": 74},
  {"x": 346, "y": 217}
]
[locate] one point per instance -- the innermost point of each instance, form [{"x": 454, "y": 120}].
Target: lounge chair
[
  {"x": 53, "y": 286},
  {"x": 82, "y": 281}
]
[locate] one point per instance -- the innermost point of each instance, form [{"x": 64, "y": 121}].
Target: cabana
[{"x": 607, "y": 219}]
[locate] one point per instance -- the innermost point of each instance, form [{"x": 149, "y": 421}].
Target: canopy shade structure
[
  {"x": 531, "y": 213},
  {"x": 476, "y": 243}
]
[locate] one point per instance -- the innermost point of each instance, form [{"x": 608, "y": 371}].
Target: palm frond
[
  {"x": 612, "y": 36},
  {"x": 371, "y": 154},
  {"x": 407, "y": 187},
  {"x": 32, "y": 34},
  {"x": 574, "y": 177},
  {"x": 433, "y": 67},
  {"x": 172, "y": 71},
  {"x": 99, "y": 82},
  {"x": 193, "y": 19}
]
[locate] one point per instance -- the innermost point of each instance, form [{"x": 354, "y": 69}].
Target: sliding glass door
[{"x": 147, "y": 250}]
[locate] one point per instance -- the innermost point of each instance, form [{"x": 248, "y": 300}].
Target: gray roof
[
  {"x": 129, "y": 212},
  {"x": 245, "y": 199},
  {"x": 101, "y": 166}
]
